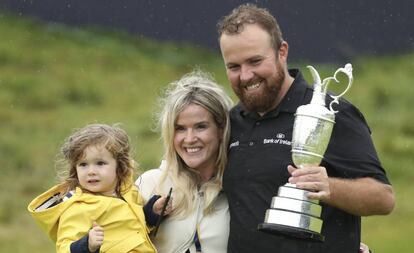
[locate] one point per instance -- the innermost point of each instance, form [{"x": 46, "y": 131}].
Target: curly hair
[{"x": 113, "y": 138}]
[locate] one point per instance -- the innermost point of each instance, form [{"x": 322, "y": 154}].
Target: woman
[{"x": 194, "y": 126}]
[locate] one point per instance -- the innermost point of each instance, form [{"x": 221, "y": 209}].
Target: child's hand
[
  {"x": 157, "y": 207},
  {"x": 96, "y": 237}
]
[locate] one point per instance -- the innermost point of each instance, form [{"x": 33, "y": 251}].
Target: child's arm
[
  {"x": 159, "y": 203},
  {"x": 91, "y": 242},
  {"x": 150, "y": 216},
  {"x": 81, "y": 245},
  {"x": 96, "y": 237},
  {"x": 153, "y": 208}
]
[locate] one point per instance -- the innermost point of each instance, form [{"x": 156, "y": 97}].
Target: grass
[{"x": 54, "y": 79}]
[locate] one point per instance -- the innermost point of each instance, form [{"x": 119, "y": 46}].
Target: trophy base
[{"x": 291, "y": 232}]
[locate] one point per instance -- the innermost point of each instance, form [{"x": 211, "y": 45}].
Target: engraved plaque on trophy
[{"x": 291, "y": 212}]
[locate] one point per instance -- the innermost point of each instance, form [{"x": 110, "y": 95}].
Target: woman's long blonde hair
[{"x": 197, "y": 88}]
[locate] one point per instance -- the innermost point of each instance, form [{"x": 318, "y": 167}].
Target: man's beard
[{"x": 264, "y": 101}]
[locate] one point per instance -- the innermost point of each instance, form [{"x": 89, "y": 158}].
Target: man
[{"x": 350, "y": 181}]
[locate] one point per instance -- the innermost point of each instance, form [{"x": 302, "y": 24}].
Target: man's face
[{"x": 254, "y": 69}]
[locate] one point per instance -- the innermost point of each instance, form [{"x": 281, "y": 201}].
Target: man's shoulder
[
  {"x": 236, "y": 109},
  {"x": 235, "y": 112},
  {"x": 344, "y": 107}
]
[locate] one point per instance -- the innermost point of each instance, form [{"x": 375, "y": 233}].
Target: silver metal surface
[
  {"x": 292, "y": 219},
  {"x": 311, "y": 134},
  {"x": 290, "y": 191},
  {"x": 295, "y": 205}
]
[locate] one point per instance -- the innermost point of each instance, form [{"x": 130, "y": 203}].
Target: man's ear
[{"x": 283, "y": 51}]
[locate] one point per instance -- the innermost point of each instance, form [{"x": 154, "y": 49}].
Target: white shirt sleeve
[{"x": 147, "y": 182}]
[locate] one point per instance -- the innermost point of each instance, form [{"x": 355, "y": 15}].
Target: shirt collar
[{"x": 295, "y": 94}]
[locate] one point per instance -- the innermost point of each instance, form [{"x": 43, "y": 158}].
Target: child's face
[{"x": 97, "y": 171}]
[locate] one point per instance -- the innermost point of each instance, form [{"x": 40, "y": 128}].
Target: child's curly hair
[{"x": 113, "y": 138}]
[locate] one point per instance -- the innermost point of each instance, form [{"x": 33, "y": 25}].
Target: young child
[{"x": 96, "y": 207}]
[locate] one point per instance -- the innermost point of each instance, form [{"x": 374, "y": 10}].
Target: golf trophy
[{"x": 291, "y": 212}]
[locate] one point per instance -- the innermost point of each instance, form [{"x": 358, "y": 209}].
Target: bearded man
[{"x": 349, "y": 183}]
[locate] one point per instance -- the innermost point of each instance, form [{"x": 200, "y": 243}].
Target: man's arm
[{"x": 361, "y": 197}]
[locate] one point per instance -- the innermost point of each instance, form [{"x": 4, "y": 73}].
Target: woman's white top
[{"x": 176, "y": 235}]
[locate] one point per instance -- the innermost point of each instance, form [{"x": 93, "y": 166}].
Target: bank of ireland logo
[
  {"x": 280, "y": 136},
  {"x": 280, "y": 139}
]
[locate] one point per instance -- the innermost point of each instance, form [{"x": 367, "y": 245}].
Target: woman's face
[{"x": 197, "y": 138}]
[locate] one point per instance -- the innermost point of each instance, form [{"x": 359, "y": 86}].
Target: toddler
[{"x": 97, "y": 205}]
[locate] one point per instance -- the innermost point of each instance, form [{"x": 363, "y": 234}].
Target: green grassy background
[{"x": 54, "y": 79}]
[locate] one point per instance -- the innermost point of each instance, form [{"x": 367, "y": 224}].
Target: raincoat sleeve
[
  {"x": 74, "y": 224},
  {"x": 81, "y": 246},
  {"x": 151, "y": 217}
]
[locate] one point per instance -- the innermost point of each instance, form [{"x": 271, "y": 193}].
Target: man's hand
[
  {"x": 96, "y": 237},
  {"x": 312, "y": 178},
  {"x": 363, "y": 248},
  {"x": 157, "y": 207},
  {"x": 360, "y": 196}
]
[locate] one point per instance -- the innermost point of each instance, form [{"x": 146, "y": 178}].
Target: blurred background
[
  {"x": 316, "y": 30},
  {"x": 67, "y": 63}
]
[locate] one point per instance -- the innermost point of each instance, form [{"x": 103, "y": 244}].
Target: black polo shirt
[{"x": 259, "y": 153}]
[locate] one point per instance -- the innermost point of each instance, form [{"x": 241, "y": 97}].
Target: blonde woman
[{"x": 194, "y": 125}]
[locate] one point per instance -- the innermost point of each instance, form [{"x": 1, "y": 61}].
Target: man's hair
[{"x": 246, "y": 14}]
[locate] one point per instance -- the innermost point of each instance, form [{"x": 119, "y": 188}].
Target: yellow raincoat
[{"x": 123, "y": 220}]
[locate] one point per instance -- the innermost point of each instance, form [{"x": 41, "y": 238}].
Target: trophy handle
[
  {"x": 347, "y": 70},
  {"x": 316, "y": 78}
]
